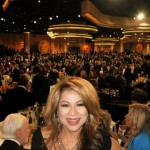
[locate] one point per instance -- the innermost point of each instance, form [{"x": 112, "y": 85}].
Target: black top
[
  {"x": 106, "y": 143},
  {"x": 10, "y": 145},
  {"x": 38, "y": 141}
]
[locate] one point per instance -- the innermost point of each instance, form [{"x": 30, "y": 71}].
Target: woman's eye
[
  {"x": 64, "y": 105},
  {"x": 81, "y": 104}
]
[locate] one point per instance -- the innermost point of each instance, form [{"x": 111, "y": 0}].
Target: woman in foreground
[{"x": 72, "y": 119}]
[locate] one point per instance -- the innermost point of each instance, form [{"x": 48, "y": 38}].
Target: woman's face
[
  {"x": 71, "y": 111},
  {"x": 128, "y": 120}
]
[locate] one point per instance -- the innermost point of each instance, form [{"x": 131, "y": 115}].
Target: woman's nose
[{"x": 73, "y": 110}]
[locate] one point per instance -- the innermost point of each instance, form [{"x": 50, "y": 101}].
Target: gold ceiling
[{"x": 92, "y": 13}]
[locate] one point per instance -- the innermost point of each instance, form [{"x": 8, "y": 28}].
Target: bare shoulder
[
  {"x": 45, "y": 131},
  {"x": 116, "y": 145}
]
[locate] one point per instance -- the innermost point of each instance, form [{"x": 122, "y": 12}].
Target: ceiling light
[
  {"x": 81, "y": 27},
  {"x": 140, "y": 16},
  {"x": 35, "y": 21}
]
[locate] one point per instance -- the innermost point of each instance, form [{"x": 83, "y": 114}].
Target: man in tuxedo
[
  {"x": 40, "y": 86},
  {"x": 119, "y": 83},
  {"x": 51, "y": 73},
  {"x": 15, "y": 132},
  {"x": 15, "y": 73},
  {"x": 16, "y": 99}
]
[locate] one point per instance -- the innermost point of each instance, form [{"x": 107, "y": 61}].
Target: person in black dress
[{"x": 72, "y": 119}]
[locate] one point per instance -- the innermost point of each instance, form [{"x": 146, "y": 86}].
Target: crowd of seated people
[
  {"x": 67, "y": 101},
  {"x": 113, "y": 70}
]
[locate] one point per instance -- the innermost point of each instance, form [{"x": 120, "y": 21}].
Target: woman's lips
[{"x": 73, "y": 121}]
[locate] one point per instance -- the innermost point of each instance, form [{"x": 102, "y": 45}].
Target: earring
[
  {"x": 59, "y": 123},
  {"x": 87, "y": 122}
]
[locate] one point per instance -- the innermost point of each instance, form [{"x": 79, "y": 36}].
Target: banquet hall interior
[{"x": 104, "y": 41}]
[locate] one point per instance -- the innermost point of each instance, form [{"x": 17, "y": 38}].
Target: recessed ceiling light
[{"x": 140, "y": 16}]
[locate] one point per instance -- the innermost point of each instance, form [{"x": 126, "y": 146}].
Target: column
[
  {"x": 121, "y": 45},
  {"x": 27, "y": 42}
]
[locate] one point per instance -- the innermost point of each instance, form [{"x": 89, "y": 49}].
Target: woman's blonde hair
[
  {"x": 140, "y": 119},
  {"x": 91, "y": 101},
  {"x": 105, "y": 121}
]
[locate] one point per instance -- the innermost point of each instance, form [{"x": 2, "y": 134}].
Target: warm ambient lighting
[
  {"x": 71, "y": 30},
  {"x": 102, "y": 44},
  {"x": 140, "y": 16},
  {"x": 68, "y": 35},
  {"x": 73, "y": 27},
  {"x": 95, "y": 15},
  {"x": 5, "y": 5},
  {"x": 139, "y": 33},
  {"x": 105, "y": 41}
]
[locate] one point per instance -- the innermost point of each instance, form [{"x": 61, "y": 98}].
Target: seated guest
[
  {"x": 138, "y": 121},
  {"x": 15, "y": 73},
  {"x": 139, "y": 96},
  {"x": 38, "y": 86},
  {"x": 143, "y": 85},
  {"x": 15, "y": 132},
  {"x": 86, "y": 71},
  {"x": 128, "y": 89},
  {"x": 16, "y": 99}
]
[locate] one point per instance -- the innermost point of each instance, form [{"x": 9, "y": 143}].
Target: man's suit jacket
[
  {"x": 38, "y": 86},
  {"x": 10, "y": 145},
  {"x": 15, "y": 74},
  {"x": 15, "y": 99}
]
